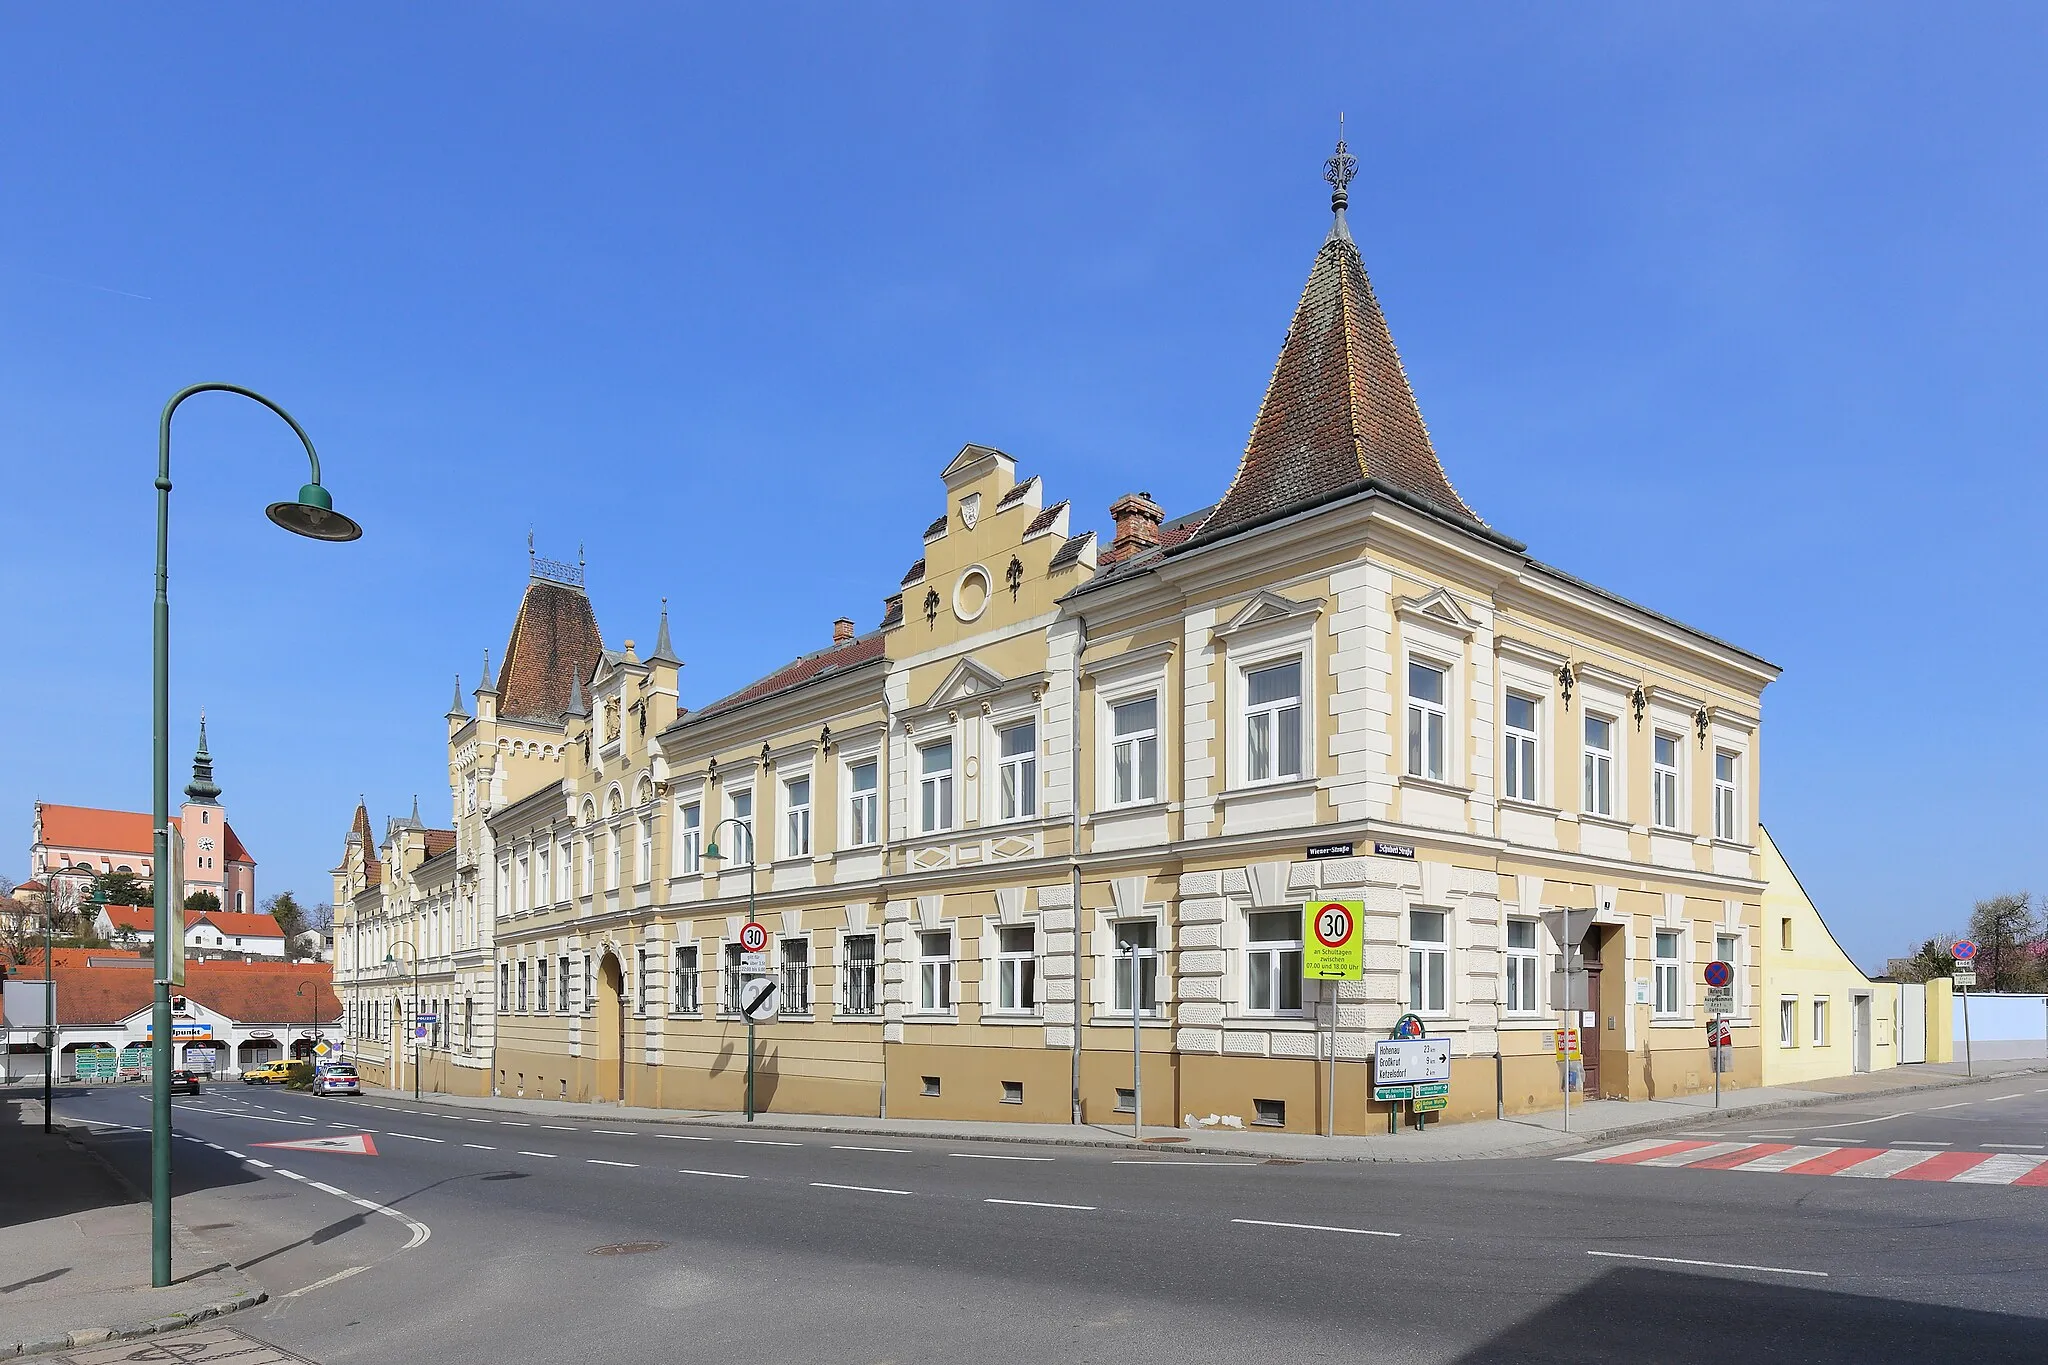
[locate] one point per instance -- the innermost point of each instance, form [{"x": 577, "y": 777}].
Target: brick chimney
[
  {"x": 1137, "y": 525},
  {"x": 842, "y": 630}
]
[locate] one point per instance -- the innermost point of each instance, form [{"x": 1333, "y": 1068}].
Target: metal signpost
[
  {"x": 1720, "y": 1002},
  {"x": 1965, "y": 951},
  {"x": 1414, "y": 1069},
  {"x": 758, "y": 996},
  {"x": 1333, "y": 950}
]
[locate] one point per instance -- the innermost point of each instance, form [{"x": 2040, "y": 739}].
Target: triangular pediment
[
  {"x": 1269, "y": 609},
  {"x": 1438, "y": 608},
  {"x": 967, "y": 680}
]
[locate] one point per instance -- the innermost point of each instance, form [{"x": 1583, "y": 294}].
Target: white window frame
[
  {"x": 796, "y": 816},
  {"x": 1668, "y": 971},
  {"x": 1272, "y": 717},
  {"x": 1524, "y": 969},
  {"x": 1016, "y": 774},
  {"x": 1597, "y": 766},
  {"x": 1421, "y": 953},
  {"x": 1788, "y": 1021},
  {"x": 1823, "y": 1021},
  {"x": 863, "y": 806},
  {"x": 740, "y": 852},
  {"x": 611, "y": 858},
  {"x": 938, "y": 789},
  {"x": 689, "y": 853},
  {"x": 643, "y": 838},
  {"x": 1148, "y": 974},
  {"x": 1132, "y": 747},
  {"x": 1419, "y": 712},
  {"x": 935, "y": 973},
  {"x": 1522, "y": 750},
  {"x": 1275, "y": 963},
  {"x": 1016, "y": 971},
  {"x": 544, "y": 875},
  {"x": 1667, "y": 782},
  {"x": 1734, "y": 942},
  {"x": 1728, "y": 795}
]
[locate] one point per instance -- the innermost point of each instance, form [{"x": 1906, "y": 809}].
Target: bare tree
[
  {"x": 2006, "y": 931},
  {"x": 21, "y": 932}
]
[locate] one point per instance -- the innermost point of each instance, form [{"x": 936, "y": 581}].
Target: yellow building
[
  {"x": 1063, "y": 784},
  {"x": 1821, "y": 1015}
]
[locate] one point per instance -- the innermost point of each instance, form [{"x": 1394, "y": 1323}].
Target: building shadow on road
[{"x": 1637, "y": 1314}]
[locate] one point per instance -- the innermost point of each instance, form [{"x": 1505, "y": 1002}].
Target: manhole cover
[{"x": 626, "y": 1248}]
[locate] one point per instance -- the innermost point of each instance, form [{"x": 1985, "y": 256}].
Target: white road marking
[
  {"x": 1856, "y": 1123},
  {"x": 1706, "y": 1153},
  {"x": 614, "y": 1132},
  {"x": 901, "y": 1151},
  {"x": 593, "y": 1161},
  {"x": 480, "y": 1147},
  {"x": 1957, "y": 1105},
  {"x": 254, "y": 1162},
  {"x": 289, "y": 1175},
  {"x": 765, "y": 1142},
  {"x": 1038, "y": 1204},
  {"x": 1169, "y": 1161},
  {"x": 549, "y": 1155},
  {"x": 2024, "y": 1146},
  {"x": 512, "y": 1123},
  {"x": 236, "y": 1155},
  {"x": 1885, "y": 1165},
  {"x": 2002, "y": 1169},
  {"x": 1312, "y": 1227},
  {"x": 1778, "y": 1161},
  {"x": 417, "y": 1138},
  {"x": 335, "y": 1278},
  {"x": 722, "y": 1175},
  {"x": 230, "y": 1114},
  {"x": 1916, "y": 1142},
  {"x": 682, "y": 1137},
  {"x": 1641, "y": 1145},
  {"x": 2013, "y": 1096},
  {"x": 861, "y": 1189},
  {"x": 1716, "y": 1265},
  {"x": 995, "y": 1156},
  {"x": 558, "y": 1128}
]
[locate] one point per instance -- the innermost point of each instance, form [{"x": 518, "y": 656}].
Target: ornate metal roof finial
[
  {"x": 530, "y": 556},
  {"x": 1340, "y": 169}
]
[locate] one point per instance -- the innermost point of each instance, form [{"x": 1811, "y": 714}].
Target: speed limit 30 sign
[
  {"x": 753, "y": 937},
  {"x": 1333, "y": 948}
]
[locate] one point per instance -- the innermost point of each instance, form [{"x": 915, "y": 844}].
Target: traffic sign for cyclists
[
  {"x": 760, "y": 998},
  {"x": 753, "y": 937},
  {"x": 1334, "y": 947}
]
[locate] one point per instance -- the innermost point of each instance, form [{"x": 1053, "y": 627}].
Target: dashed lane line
[
  {"x": 995, "y": 1156},
  {"x": 900, "y": 1151},
  {"x": 417, "y": 1138},
  {"x": 681, "y": 1137},
  {"x": 1039, "y": 1204},
  {"x": 558, "y": 1128},
  {"x": 614, "y": 1132},
  {"x": 765, "y": 1142},
  {"x": 1313, "y": 1227},
  {"x": 480, "y": 1146},
  {"x": 722, "y": 1175},
  {"x": 1170, "y": 1161},
  {"x": 594, "y": 1161},
  {"x": 1715, "y": 1265},
  {"x": 549, "y": 1155},
  {"x": 858, "y": 1189}
]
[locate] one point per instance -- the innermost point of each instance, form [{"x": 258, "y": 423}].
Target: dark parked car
[{"x": 187, "y": 1081}]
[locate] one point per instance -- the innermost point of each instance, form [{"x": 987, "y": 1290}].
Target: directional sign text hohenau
[{"x": 1333, "y": 949}]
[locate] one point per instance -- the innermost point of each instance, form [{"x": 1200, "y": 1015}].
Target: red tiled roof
[
  {"x": 1044, "y": 520},
  {"x": 139, "y": 918},
  {"x": 373, "y": 870},
  {"x": 439, "y": 841},
  {"x": 554, "y": 640},
  {"x": 810, "y": 668},
  {"x": 238, "y": 925},
  {"x": 114, "y": 831},
  {"x": 1017, "y": 492},
  {"x": 1338, "y": 410},
  {"x": 81, "y": 957},
  {"x": 247, "y": 992},
  {"x": 232, "y": 848}
]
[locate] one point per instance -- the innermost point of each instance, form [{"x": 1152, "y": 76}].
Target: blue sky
[{"x": 1734, "y": 310}]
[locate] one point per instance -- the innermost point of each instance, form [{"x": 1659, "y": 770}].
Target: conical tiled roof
[
  {"x": 554, "y": 640},
  {"x": 1338, "y": 411}
]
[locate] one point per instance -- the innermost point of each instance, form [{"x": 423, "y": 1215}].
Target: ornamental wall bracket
[
  {"x": 1014, "y": 576},
  {"x": 825, "y": 740},
  {"x": 767, "y": 755},
  {"x": 711, "y": 773},
  {"x": 1638, "y": 702},
  {"x": 931, "y": 607},
  {"x": 1699, "y": 725},
  {"x": 953, "y": 718},
  {"x": 1564, "y": 684}
]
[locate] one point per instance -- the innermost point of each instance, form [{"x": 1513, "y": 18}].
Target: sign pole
[
  {"x": 1330, "y": 1091},
  {"x": 1137, "y": 1057},
  {"x": 1969, "y": 1060},
  {"x": 1714, "y": 1044},
  {"x": 750, "y": 1071},
  {"x": 1566, "y": 1036}
]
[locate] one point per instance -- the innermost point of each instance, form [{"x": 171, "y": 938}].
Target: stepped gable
[{"x": 1338, "y": 414}]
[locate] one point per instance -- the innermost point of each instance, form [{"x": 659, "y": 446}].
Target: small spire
[
  {"x": 577, "y": 706},
  {"x": 201, "y": 788},
  {"x": 455, "y": 707},
  {"x": 664, "y": 650},
  {"x": 416, "y": 810},
  {"x": 487, "y": 685},
  {"x": 1340, "y": 170}
]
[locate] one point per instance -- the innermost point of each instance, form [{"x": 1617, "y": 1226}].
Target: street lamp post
[
  {"x": 711, "y": 851},
  {"x": 412, "y": 1013},
  {"x": 311, "y": 515},
  {"x": 312, "y": 1018}
]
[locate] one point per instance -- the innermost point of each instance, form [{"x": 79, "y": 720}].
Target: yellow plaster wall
[{"x": 1815, "y": 968}]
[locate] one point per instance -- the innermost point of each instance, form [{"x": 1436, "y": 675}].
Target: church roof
[
  {"x": 119, "y": 832},
  {"x": 1338, "y": 412},
  {"x": 554, "y": 640}
]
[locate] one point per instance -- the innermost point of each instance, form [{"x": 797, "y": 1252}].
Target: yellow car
[{"x": 270, "y": 1073}]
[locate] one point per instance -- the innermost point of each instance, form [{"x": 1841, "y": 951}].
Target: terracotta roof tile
[
  {"x": 1044, "y": 520},
  {"x": 232, "y": 847},
  {"x": 237, "y": 925},
  {"x": 798, "y": 672},
  {"x": 554, "y": 640},
  {"x": 439, "y": 841},
  {"x": 115, "y": 831},
  {"x": 247, "y": 992},
  {"x": 1338, "y": 410}
]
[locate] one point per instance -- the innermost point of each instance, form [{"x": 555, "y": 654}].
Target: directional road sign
[
  {"x": 1422, "y": 1104},
  {"x": 1393, "y": 1092},
  {"x": 1719, "y": 975},
  {"x": 346, "y": 1144},
  {"x": 760, "y": 998},
  {"x": 1403, "y": 1061},
  {"x": 753, "y": 937},
  {"x": 1334, "y": 948}
]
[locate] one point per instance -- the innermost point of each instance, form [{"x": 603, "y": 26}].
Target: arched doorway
[{"x": 611, "y": 1029}]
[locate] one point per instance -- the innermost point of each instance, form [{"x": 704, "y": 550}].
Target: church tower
[{"x": 215, "y": 860}]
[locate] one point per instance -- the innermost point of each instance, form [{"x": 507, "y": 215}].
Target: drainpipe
[{"x": 1074, "y": 848}]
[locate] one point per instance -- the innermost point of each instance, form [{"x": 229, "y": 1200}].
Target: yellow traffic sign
[{"x": 1333, "y": 949}]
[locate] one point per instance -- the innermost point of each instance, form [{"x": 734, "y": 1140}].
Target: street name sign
[
  {"x": 753, "y": 937},
  {"x": 1405, "y": 1061},
  {"x": 1393, "y": 850},
  {"x": 1334, "y": 948},
  {"x": 760, "y": 998},
  {"x": 1329, "y": 850}
]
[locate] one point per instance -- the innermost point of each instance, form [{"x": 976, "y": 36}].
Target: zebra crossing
[{"x": 1924, "y": 1163}]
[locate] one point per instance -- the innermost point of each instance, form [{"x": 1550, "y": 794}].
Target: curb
[
  {"x": 1541, "y": 1147},
  {"x": 169, "y": 1322}
]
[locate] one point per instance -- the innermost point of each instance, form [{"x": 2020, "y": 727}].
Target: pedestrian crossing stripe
[
  {"x": 1856, "y": 1163},
  {"x": 349, "y": 1144}
]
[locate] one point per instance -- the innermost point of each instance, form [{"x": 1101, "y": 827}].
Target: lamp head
[
  {"x": 313, "y": 516},
  {"x": 711, "y": 849}
]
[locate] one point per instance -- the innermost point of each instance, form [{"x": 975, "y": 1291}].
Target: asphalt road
[{"x": 570, "y": 1240}]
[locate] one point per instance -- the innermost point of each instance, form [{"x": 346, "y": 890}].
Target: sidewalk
[
  {"x": 1527, "y": 1135},
  {"x": 75, "y": 1248}
]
